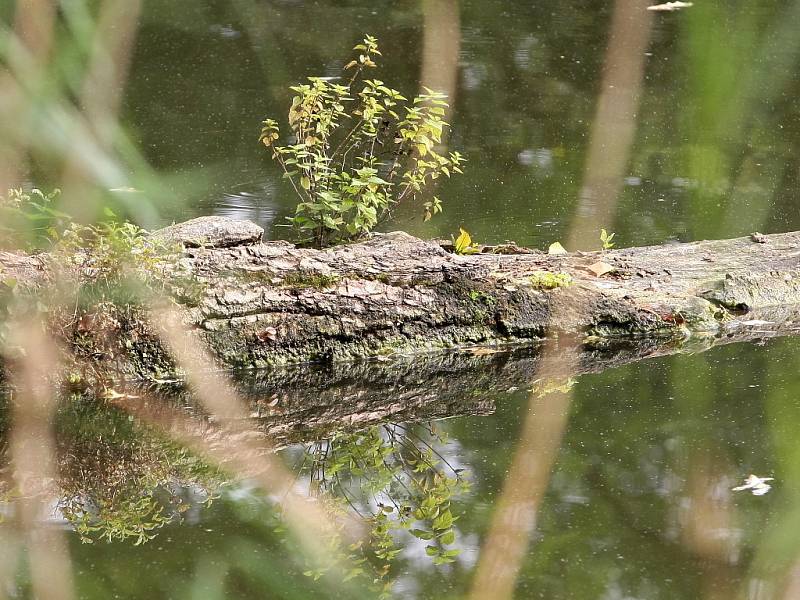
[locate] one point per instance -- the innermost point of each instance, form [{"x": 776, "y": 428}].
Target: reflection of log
[
  {"x": 271, "y": 303},
  {"x": 304, "y": 403}
]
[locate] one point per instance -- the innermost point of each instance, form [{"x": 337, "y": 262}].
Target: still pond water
[
  {"x": 618, "y": 484},
  {"x": 611, "y": 482}
]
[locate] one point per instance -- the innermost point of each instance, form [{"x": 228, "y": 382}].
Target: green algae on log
[{"x": 268, "y": 303}]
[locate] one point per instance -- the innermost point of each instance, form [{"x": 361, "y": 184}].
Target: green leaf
[
  {"x": 605, "y": 239},
  {"x": 463, "y": 243},
  {"x": 421, "y": 534},
  {"x": 443, "y": 521},
  {"x": 448, "y": 537}
]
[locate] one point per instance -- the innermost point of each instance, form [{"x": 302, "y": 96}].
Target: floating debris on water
[
  {"x": 756, "y": 484},
  {"x": 670, "y": 6}
]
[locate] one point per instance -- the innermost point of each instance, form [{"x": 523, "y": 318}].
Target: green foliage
[
  {"x": 108, "y": 251},
  {"x": 127, "y": 518},
  {"x": 463, "y": 244},
  {"x": 359, "y": 149},
  {"x": 29, "y": 219},
  {"x": 548, "y": 281},
  {"x": 119, "y": 480},
  {"x": 112, "y": 268},
  {"x": 483, "y": 297},
  {"x": 605, "y": 239},
  {"x": 303, "y": 279},
  {"x": 112, "y": 251},
  {"x": 118, "y": 264}
]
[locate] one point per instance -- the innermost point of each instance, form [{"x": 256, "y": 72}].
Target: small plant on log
[
  {"x": 119, "y": 266},
  {"x": 545, "y": 280},
  {"x": 357, "y": 149},
  {"x": 606, "y": 239}
]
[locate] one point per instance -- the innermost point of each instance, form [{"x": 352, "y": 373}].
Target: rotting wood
[{"x": 271, "y": 303}]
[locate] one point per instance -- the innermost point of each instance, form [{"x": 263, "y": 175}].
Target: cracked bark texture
[{"x": 258, "y": 304}]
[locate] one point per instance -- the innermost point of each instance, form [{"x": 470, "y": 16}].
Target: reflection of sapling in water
[
  {"x": 395, "y": 480},
  {"x": 119, "y": 480}
]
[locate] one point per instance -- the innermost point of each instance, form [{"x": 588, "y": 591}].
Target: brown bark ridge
[{"x": 258, "y": 303}]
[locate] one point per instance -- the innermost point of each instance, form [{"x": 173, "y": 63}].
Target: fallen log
[{"x": 258, "y": 304}]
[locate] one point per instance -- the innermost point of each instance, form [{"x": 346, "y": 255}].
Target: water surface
[
  {"x": 659, "y": 126},
  {"x": 629, "y": 475}
]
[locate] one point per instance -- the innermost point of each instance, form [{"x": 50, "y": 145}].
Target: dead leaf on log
[
  {"x": 268, "y": 334},
  {"x": 601, "y": 268},
  {"x": 556, "y": 248},
  {"x": 85, "y": 323}
]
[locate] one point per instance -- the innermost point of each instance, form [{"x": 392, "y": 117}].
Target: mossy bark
[{"x": 270, "y": 303}]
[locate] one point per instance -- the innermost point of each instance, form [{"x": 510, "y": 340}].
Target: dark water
[
  {"x": 691, "y": 131},
  {"x": 574, "y": 116},
  {"x": 628, "y": 473}
]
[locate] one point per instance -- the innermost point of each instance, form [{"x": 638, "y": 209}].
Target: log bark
[{"x": 257, "y": 304}]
